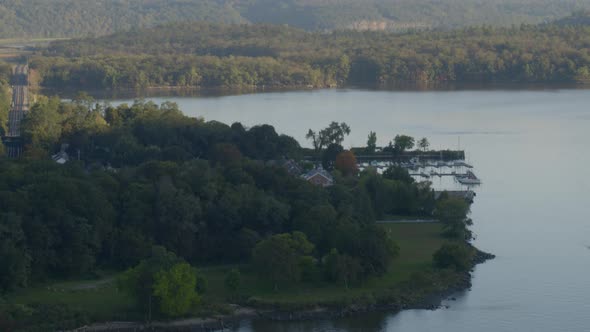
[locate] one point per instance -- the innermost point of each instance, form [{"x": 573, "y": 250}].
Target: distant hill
[{"x": 75, "y": 18}]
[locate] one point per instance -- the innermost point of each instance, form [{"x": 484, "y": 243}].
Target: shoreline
[
  {"x": 410, "y": 299},
  {"x": 197, "y": 91}
]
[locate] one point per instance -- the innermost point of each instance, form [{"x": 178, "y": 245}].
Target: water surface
[{"x": 530, "y": 148}]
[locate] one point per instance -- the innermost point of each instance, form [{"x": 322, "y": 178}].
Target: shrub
[{"x": 455, "y": 256}]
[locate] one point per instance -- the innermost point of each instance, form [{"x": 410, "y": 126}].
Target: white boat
[
  {"x": 468, "y": 178},
  {"x": 460, "y": 163}
]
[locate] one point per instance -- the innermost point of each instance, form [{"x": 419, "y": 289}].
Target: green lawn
[
  {"x": 417, "y": 243},
  {"x": 101, "y": 302}
]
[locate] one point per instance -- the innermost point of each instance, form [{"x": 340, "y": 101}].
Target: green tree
[
  {"x": 139, "y": 281},
  {"x": 177, "y": 216},
  {"x": 13, "y": 254},
  {"x": 278, "y": 257},
  {"x": 453, "y": 255},
  {"x": 399, "y": 174},
  {"x": 333, "y": 134},
  {"x": 176, "y": 289},
  {"x": 329, "y": 156},
  {"x": 316, "y": 140},
  {"x": 316, "y": 222},
  {"x": 371, "y": 142},
  {"x": 423, "y": 144},
  {"x": 402, "y": 143},
  {"x": 342, "y": 268},
  {"x": 232, "y": 280},
  {"x": 374, "y": 249},
  {"x": 453, "y": 212},
  {"x": 582, "y": 74},
  {"x": 42, "y": 126}
]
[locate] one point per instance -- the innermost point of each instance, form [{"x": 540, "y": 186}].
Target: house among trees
[
  {"x": 319, "y": 177},
  {"x": 292, "y": 167}
]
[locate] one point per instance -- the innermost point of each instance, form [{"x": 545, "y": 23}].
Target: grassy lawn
[
  {"x": 101, "y": 299},
  {"x": 417, "y": 243}
]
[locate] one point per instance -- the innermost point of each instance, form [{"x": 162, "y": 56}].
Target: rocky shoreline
[
  {"x": 430, "y": 302},
  {"x": 406, "y": 301}
]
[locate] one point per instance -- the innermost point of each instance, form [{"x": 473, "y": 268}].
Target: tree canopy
[
  {"x": 453, "y": 213},
  {"x": 279, "y": 257}
]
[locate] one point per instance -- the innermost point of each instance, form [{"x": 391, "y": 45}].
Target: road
[
  {"x": 20, "y": 100},
  {"x": 18, "y": 108}
]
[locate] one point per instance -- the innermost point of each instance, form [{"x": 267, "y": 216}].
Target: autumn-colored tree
[{"x": 346, "y": 163}]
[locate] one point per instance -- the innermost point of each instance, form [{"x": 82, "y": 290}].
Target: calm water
[{"x": 531, "y": 149}]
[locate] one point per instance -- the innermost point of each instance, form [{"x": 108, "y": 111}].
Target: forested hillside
[
  {"x": 208, "y": 55},
  {"x": 66, "y": 18},
  {"x": 74, "y": 18}
]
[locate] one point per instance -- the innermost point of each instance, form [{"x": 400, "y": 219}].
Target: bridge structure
[{"x": 18, "y": 108}]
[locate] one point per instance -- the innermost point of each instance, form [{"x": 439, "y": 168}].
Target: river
[{"x": 531, "y": 150}]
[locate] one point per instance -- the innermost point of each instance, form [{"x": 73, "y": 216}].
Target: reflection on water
[
  {"x": 529, "y": 147},
  {"x": 166, "y": 92}
]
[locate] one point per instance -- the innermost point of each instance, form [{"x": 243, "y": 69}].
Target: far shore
[{"x": 184, "y": 91}]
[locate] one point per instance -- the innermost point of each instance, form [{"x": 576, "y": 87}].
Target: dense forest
[
  {"x": 145, "y": 175},
  {"x": 209, "y": 55},
  {"x": 76, "y": 18}
]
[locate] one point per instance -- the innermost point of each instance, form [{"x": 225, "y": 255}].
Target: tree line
[{"x": 206, "y": 55}]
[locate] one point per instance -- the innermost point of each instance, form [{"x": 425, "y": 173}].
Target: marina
[{"x": 459, "y": 171}]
